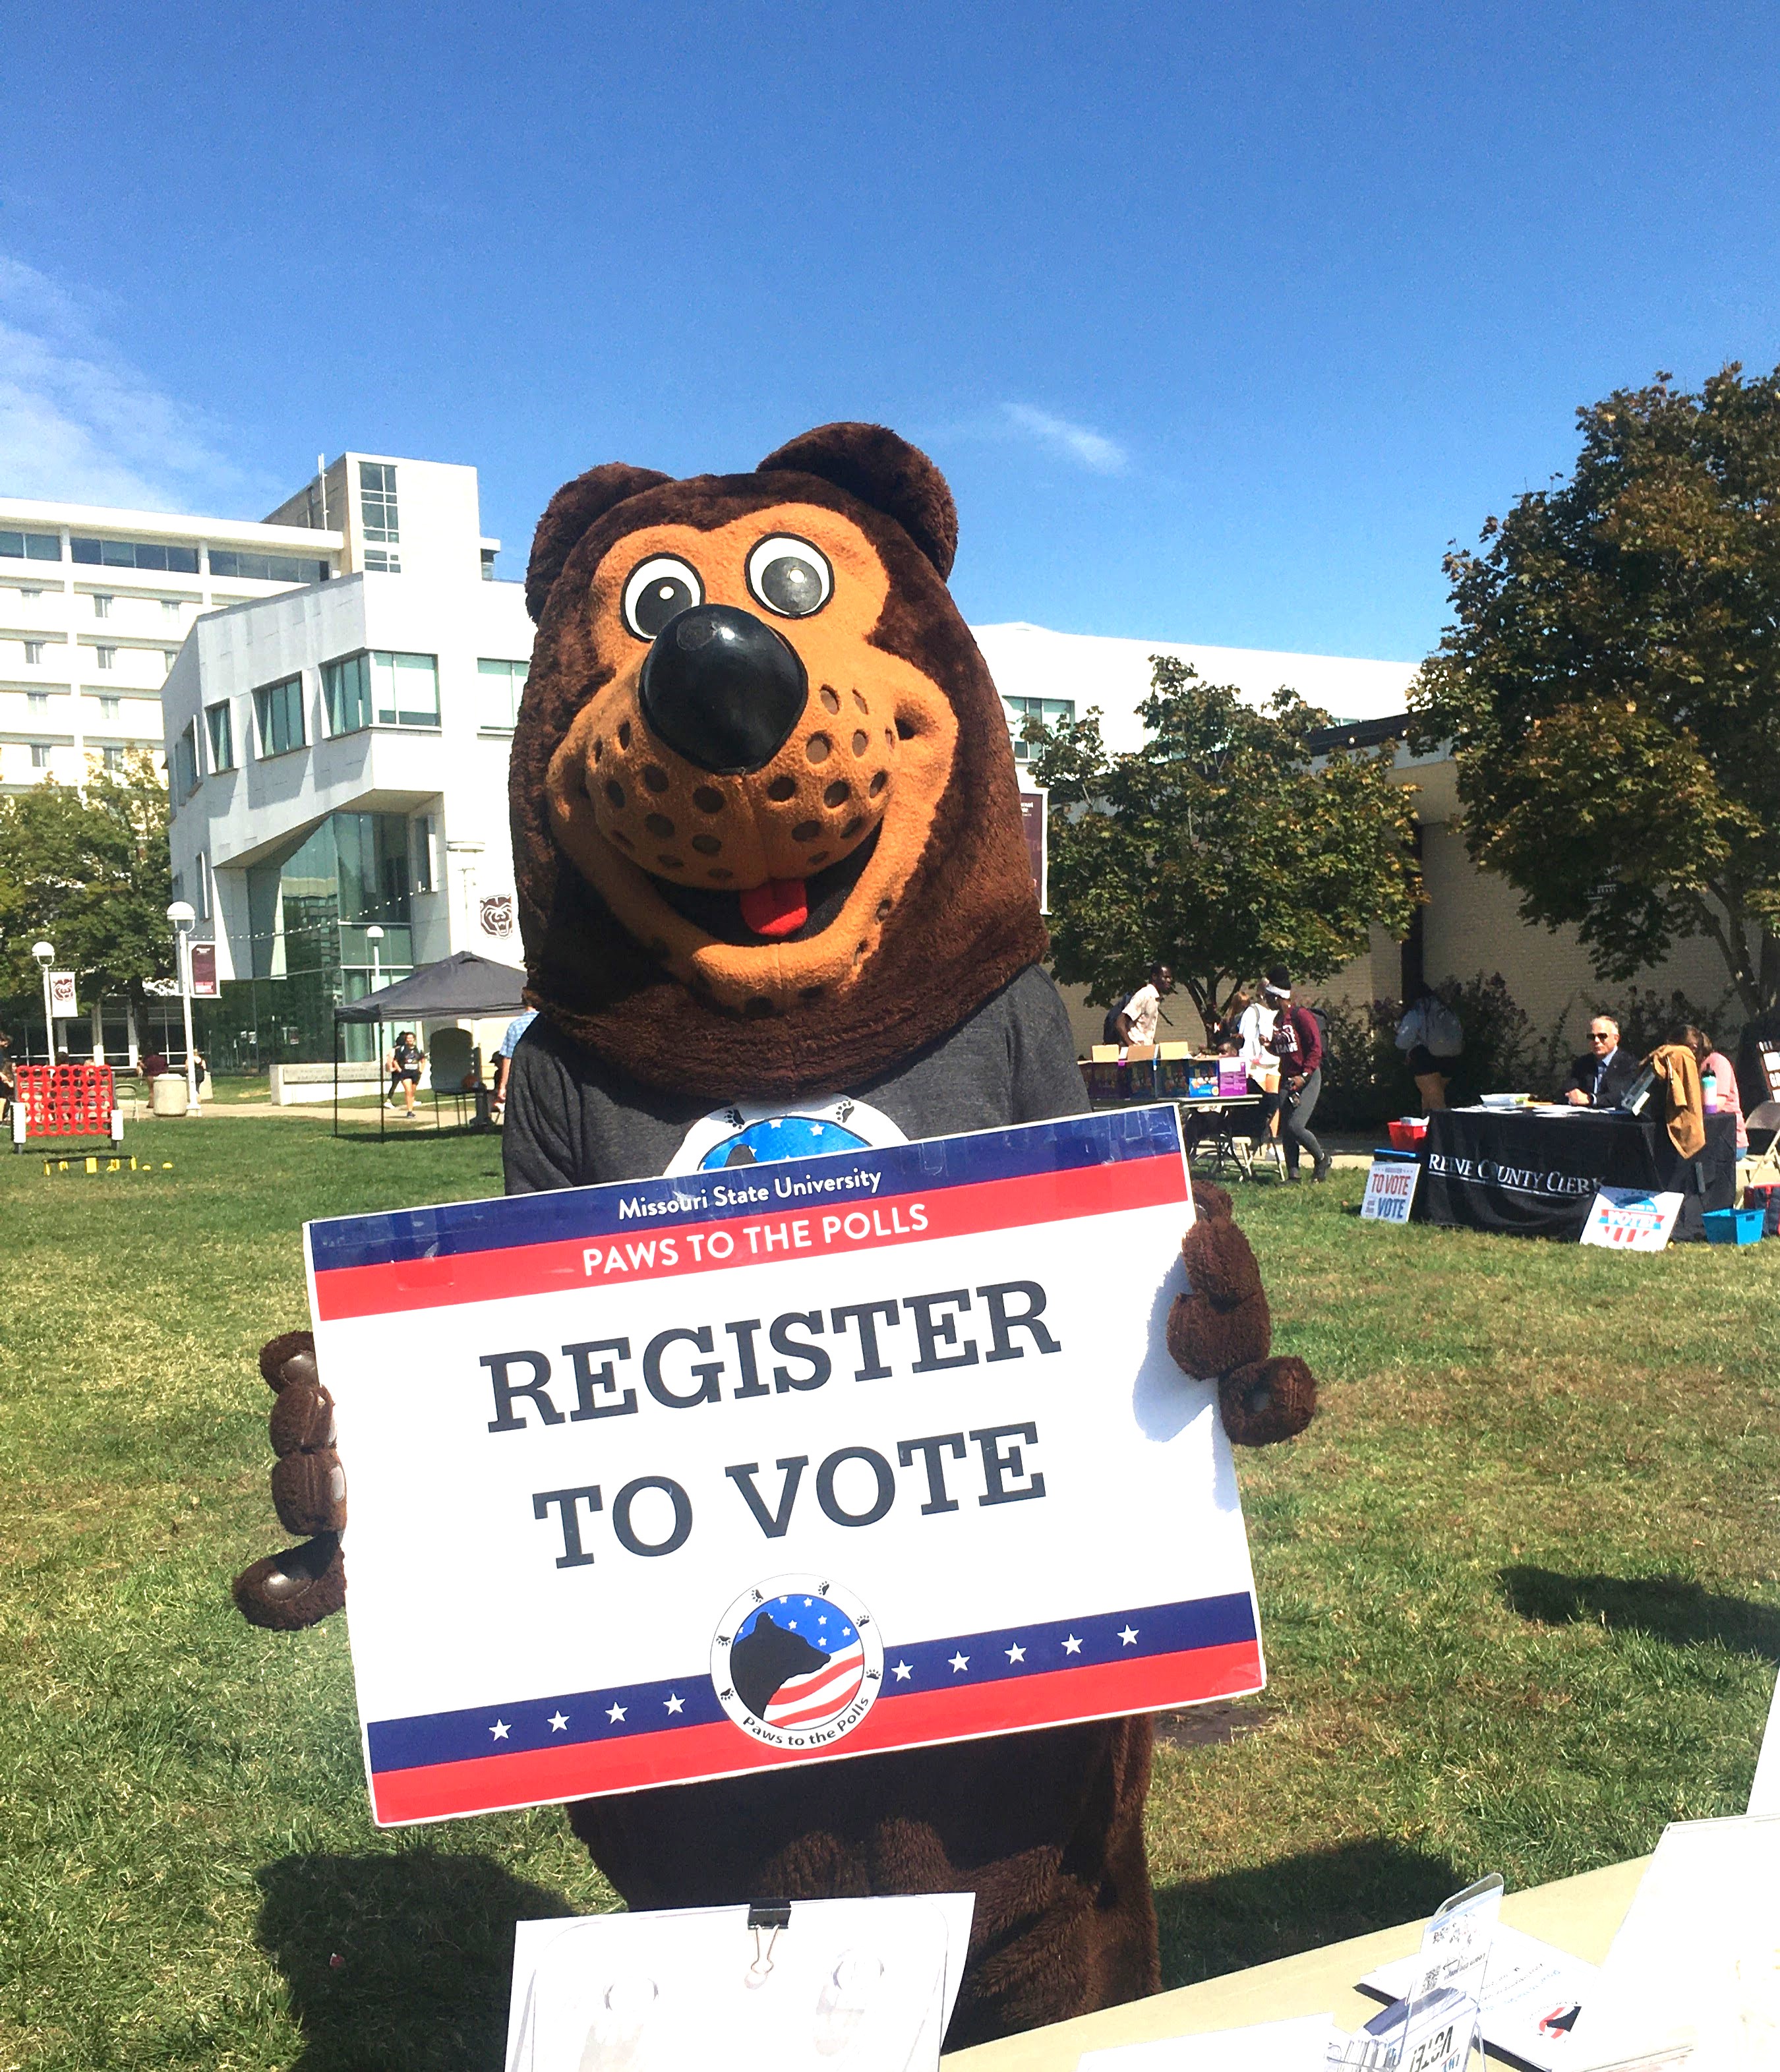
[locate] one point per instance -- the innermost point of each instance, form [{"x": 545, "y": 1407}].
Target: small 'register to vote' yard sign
[{"x": 776, "y": 1465}]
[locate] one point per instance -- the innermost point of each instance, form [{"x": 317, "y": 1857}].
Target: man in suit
[{"x": 1604, "y": 1071}]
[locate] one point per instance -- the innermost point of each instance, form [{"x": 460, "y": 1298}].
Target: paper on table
[
  {"x": 1684, "y": 1966},
  {"x": 1532, "y": 1997},
  {"x": 1302, "y": 2045},
  {"x": 868, "y": 1983}
]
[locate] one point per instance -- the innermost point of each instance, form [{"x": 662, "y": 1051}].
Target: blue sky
[{"x": 1221, "y": 320}]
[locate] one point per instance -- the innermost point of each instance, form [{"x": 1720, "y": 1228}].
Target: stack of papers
[
  {"x": 1532, "y": 1998},
  {"x": 840, "y": 1985}
]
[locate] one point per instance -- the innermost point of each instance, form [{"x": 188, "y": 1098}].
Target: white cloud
[
  {"x": 79, "y": 424},
  {"x": 1080, "y": 443}
]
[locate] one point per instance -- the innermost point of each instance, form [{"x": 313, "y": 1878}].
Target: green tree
[
  {"x": 1223, "y": 844},
  {"x": 1611, "y": 684},
  {"x": 87, "y": 867}
]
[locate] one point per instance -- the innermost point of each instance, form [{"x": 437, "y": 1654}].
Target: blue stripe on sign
[
  {"x": 1065, "y": 1145},
  {"x": 994, "y": 1657}
]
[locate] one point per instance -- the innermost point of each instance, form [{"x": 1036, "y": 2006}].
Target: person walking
[
  {"x": 1296, "y": 1042},
  {"x": 406, "y": 1057}
]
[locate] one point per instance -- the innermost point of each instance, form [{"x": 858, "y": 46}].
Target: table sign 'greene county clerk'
[{"x": 678, "y": 1478}]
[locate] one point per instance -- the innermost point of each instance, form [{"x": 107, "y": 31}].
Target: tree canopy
[
  {"x": 87, "y": 867},
  {"x": 1611, "y": 684},
  {"x": 1225, "y": 843}
]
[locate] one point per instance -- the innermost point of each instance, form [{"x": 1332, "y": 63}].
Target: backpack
[{"x": 1444, "y": 1034}]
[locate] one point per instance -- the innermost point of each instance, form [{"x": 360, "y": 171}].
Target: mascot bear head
[{"x": 765, "y": 825}]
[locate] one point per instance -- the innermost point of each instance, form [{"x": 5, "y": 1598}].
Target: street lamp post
[
  {"x": 374, "y": 936},
  {"x": 181, "y": 914},
  {"x": 45, "y": 955}
]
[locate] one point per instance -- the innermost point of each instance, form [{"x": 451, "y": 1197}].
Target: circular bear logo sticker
[{"x": 797, "y": 1661}]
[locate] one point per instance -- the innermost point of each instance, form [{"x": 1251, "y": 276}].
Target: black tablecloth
[{"x": 1537, "y": 1174}]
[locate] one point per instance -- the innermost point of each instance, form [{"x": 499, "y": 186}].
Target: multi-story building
[
  {"x": 96, "y": 603},
  {"x": 337, "y": 758}
]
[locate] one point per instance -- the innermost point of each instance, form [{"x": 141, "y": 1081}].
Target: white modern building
[
  {"x": 1048, "y": 676},
  {"x": 337, "y": 758},
  {"x": 95, "y": 603}
]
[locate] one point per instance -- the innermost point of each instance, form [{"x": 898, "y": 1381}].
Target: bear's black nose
[{"x": 723, "y": 689}]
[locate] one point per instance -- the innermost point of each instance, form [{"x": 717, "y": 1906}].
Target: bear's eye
[
  {"x": 658, "y": 590},
  {"x": 789, "y": 576}
]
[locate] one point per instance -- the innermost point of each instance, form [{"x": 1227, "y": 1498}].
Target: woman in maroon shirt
[{"x": 1297, "y": 1044}]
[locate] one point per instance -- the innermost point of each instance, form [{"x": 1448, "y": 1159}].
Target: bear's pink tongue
[{"x": 779, "y": 907}]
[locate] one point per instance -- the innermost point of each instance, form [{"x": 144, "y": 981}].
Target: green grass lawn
[{"x": 1518, "y": 1586}]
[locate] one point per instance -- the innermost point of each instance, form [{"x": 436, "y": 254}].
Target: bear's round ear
[
  {"x": 872, "y": 463},
  {"x": 571, "y": 511}
]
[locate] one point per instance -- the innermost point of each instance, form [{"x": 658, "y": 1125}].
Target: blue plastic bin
[{"x": 1733, "y": 1226}]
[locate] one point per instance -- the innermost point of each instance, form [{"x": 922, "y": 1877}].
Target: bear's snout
[{"x": 721, "y": 689}]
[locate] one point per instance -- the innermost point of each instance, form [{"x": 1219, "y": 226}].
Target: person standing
[
  {"x": 1434, "y": 1037},
  {"x": 1138, "y": 1017},
  {"x": 504, "y": 1058},
  {"x": 1297, "y": 1043}
]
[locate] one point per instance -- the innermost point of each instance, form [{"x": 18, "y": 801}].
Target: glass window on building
[
  {"x": 31, "y": 546},
  {"x": 377, "y": 501},
  {"x": 102, "y": 607},
  {"x": 111, "y": 709},
  {"x": 40, "y": 755},
  {"x": 425, "y": 830},
  {"x": 222, "y": 736},
  {"x": 134, "y": 554},
  {"x": 113, "y": 758},
  {"x": 307, "y": 917},
  {"x": 381, "y": 688},
  {"x": 108, "y": 657},
  {"x": 267, "y": 567},
  {"x": 34, "y": 654},
  {"x": 185, "y": 763},
  {"x": 37, "y": 702},
  {"x": 501, "y": 684},
  {"x": 280, "y": 710},
  {"x": 1046, "y": 711}
]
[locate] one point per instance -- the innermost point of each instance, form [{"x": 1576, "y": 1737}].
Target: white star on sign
[
  {"x": 498, "y": 1730},
  {"x": 616, "y": 1714},
  {"x": 959, "y": 1662},
  {"x": 1017, "y": 1653},
  {"x": 1071, "y": 1645},
  {"x": 558, "y": 1721},
  {"x": 1129, "y": 1636},
  {"x": 904, "y": 1671},
  {"x": 675, "y": 1703}
]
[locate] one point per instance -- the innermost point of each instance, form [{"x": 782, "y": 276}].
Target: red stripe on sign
[
  {"x": 495, "y": 1783},
  {"x": 540, "y": 1269}
]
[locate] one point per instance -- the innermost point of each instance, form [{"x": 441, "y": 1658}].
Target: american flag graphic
[{"x": 818, "y": 1696}]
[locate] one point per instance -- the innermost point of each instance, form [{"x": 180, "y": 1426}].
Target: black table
[{"x": 1537, "y": 1174}]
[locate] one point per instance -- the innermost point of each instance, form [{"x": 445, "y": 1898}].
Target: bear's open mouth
[{"x": 726, "y": 916}]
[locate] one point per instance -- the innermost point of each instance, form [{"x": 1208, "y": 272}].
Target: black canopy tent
[{"x": 453, "y": 989}]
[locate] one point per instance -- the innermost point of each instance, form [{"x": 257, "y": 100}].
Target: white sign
[
  {"x": 1390, "y": 1191},
  {"x": 762, "y": 1989},
  {"x": 778, "y": 1463},
  {"x": 1629, "y": 1219},
  {"x": 61, "y": 995}
]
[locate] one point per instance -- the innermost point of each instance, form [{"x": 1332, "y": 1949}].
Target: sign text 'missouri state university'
[{"x": 676, "y": 1478}]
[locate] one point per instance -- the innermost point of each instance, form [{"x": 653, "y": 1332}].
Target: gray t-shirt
[{"x": 574, "y": 1120}]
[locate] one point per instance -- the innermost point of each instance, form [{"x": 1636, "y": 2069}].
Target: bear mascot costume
[{"x": 775, "y": 898}]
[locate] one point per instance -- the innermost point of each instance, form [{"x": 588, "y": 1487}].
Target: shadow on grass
[
  {"x": 1663, "y": 1606},
  {"x": 1243, "y": 1917},
  {"x": 424, "y": 1945}
]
